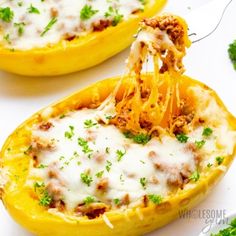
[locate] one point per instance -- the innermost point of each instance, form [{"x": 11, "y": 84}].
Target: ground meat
[
  {"x": 69, "y": 36},
  {"x": 39, "y": 143},
  {"x": 169, "y": 24},
  {"x": 177, "y": 177},
  {"x": 145, "y": 200},
  {"x": 103, "y": 184},
  {"x": 95, "y": 213},
  {"x": 60, "y": 205},
  {"x": 152, "y": 154},
  {"x": 53, "y": 12},
  {"x": 180, "y": 123},
  {"x": 125, "y": 200},
  {"x": 191, "y": 147},
  {"x": 101, "y": 25},
  {"x": 45, "y": 126},
  {"x": 91, "y": 211}
]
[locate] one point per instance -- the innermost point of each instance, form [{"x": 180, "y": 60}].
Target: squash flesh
[
  {"x": 78, "y": 54},
  {"x": 39, "y": 221}
]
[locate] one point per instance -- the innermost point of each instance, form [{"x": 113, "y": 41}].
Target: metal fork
[{"x": 204, "y": 21}]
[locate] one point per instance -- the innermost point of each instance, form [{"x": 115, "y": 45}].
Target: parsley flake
[
  {"x": 69, "y": 134},
  {"x": 120, "y": 154},
  {"x": 49, "y": 26},
  {"x": 89, "y": 200},
  {"x": 200, "y": 144},
  {"x": 6, "y": 14},
  {"x": 182, "y": 138},
  {"x": 108, "y": 166},
  {"x": 232, "y": 53},
  {"x": 219, "y": 160},
  {"x": 86, "y": 179},
  {"x": 84, "y": 144},
  {"x": 156, "y": 199},
  {"x": 143, "y": 182},
  {"x": 195, "y": 176},
  {"x": 33, "y": 9},
  {"x": 207, "y": 132},
  {"x": 87, "y": 12},
  {"x": 89, "y": 124}
]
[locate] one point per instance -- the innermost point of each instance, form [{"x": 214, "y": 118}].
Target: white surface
[{"x": 207, "y": 61}]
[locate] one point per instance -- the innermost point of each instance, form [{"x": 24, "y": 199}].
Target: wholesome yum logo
[{"x": 210, "y": 217}]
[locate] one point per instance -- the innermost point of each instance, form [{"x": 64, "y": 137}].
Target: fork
[{"x": 205, "y": 20}]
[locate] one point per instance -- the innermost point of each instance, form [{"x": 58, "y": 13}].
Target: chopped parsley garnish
[
  {"x": 85, "y": 148},
  {"x": 89, "y": 124},
  {"x": 89, "y": 200},
  {"x": 120, "y": 154},
  {"x": 229, "y": 231},
  {"x": 87, "y": 12},
  {"x": 108, "y": 117},
  {"x": 139, "y": 138},
  {"x": 108, "y": 166},
  {"x": 143, "y": 1},
  {"x": 143, "y": 182},
  {"x": 128, "y": 135},
  {"x": 62, "y": 116},
  {"x": 84, "y": 144},
  {"x": 45, "y": 200},
  {"x": 28, "y": 150},
  {"x": 20, "y": 27},
  {"x": 156, "y": 199},
  {"x": 76, "y": 154},
  {"x": 38, "y": 185},
  {"x": 116, "y": 201},
  {"x": 86, "y": 179},
  {"x": 49, "y": 26},
  {"x": 6, "y": 14},
  {"x": 112, "y": 12},
  {"x": 6, "y": 37},
  {"x": 232, "y": 53},
  {"x": 200, "y": 144},
  {"x": 219, "y": 160},
  {"x": 207, "y": 132},
  {"x": 107, "y": 150},
  {"x": 182, "y": 138},
  {"x": 20, "y": 4},
  {"x": 42, "y": 166},
  {"x": 122, "y": 179},
  {"x": 100, "y": 174},
  {"x": 33, "y": 10},
  {"x": 195, "y": 176},
  {"x": 142, "y": 138},
  {"x": 209, "y": 165},
  {"x": 69, "y": 134}
]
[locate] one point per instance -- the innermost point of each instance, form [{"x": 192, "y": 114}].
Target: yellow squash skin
[
  {"x": 27, "y": 212},
  {"x": 84, "y": 52}
]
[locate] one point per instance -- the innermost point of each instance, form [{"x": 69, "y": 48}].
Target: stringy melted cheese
[{"x": 68, "y": 21}]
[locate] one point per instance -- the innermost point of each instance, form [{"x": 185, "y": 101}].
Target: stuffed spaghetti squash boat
[
  {"x": 46, "y": 38},
  {"x": 125, "y": 155}
]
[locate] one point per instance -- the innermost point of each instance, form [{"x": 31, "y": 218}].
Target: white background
[{"x": 207, "y": 61}]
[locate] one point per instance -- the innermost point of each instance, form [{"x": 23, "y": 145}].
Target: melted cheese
[
  {"x": 67, "y": 14},
  {"x": 123, "y": 175}
]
